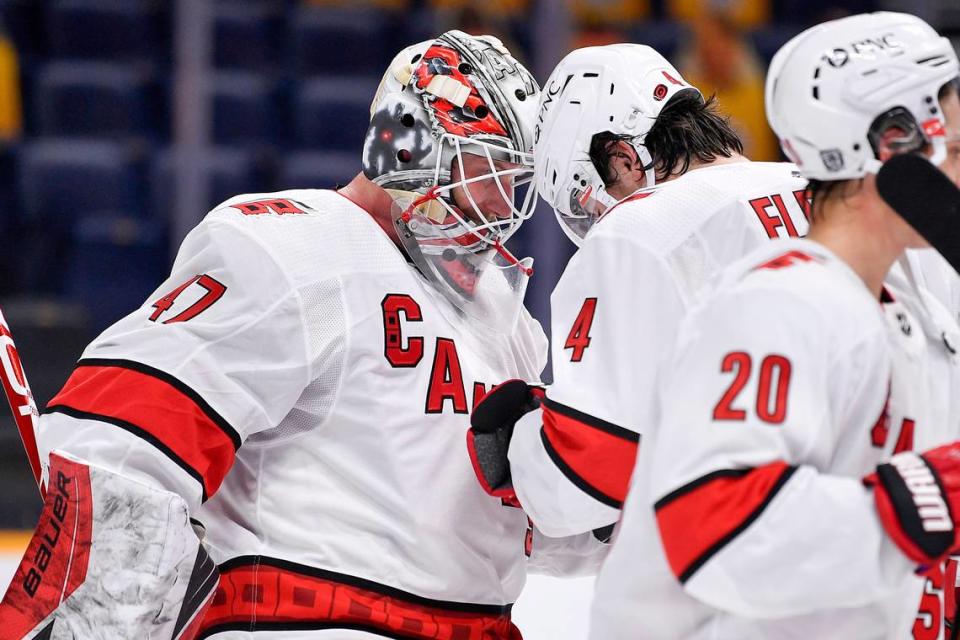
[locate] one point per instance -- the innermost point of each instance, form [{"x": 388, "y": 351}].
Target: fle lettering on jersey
[
  {"x": 774, "y": 212},
  {"x": 446, "y": 374}
]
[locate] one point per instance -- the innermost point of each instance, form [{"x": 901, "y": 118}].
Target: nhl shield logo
[{"x": 832, "y": 159}]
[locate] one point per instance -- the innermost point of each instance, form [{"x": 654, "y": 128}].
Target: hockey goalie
[{"x": 296, "y": 394}]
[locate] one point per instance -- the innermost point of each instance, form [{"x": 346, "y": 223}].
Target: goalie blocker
[{"x": 110, "y": 558}]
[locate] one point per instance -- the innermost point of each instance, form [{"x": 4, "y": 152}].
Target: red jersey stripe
[
  {"x": 156, "y": 407},
  {"x": 700, "y": 518},
  {"x": 595, "y": 455},
  {"x": 257, "y": 593}
]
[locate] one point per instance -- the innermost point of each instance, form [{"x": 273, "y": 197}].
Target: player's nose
[{"x": 492, "y": 201}]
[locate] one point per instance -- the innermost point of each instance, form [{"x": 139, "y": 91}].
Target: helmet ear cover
[{"x": 912, "y": 139}]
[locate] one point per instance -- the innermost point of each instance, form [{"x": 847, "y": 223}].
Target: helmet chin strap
[{"x": 650, "y": 174}]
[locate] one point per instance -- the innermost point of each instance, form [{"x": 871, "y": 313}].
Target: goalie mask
[
  {"x": 450, "y": 139},
  {"x": 620, "y": 89},
  {"x": 834, "y": 89}
]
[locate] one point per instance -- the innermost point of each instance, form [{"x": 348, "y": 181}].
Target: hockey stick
[
  {"x": 930, "y": 203},
  {"x": 925, "y": 198},
  {"x": 18, "y": 394}
]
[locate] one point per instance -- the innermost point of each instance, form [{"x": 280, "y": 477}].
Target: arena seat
[
  {"x": 333, "y": 41},
  {"x": 662, "y": 35},
  {"x": 768, "y": 40},
  {"x": 332, "y": 114},
  {"x": 248, "y": 36},
  {"x": 246, "y": 109},
  {"x": 116, "y": 262},
  {"x": 317, "y": 170},
  {"x": 227, "y": 172},
  {"x": 97, "y": 99},
  {"x": 107, "y": 30},
  {"x": 63, "y": 179}
]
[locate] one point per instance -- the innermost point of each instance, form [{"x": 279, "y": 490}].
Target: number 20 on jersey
[{"x": 772, "y": 388}]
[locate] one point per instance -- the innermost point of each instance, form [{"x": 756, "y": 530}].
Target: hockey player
[
  {"x": 932, "y": 271},
  {"x": 780, "y": 496},
  {"x": 297, "y": 386},
  {"x": 647, "y": 177}
]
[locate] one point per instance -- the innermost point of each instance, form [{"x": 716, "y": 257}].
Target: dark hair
[
  {"x": 689, "y": 128},
  {"x": 818, "y": 192}
]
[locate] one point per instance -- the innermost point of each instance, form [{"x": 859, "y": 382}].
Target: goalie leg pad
[{"x": 110, "y": 558}]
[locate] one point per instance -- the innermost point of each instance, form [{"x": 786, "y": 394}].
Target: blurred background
[{"x": 123, "y": 121}]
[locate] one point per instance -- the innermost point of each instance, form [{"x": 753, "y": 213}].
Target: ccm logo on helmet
[
  {"x": 866, "y": 48},
  {"x": 926, "y": 493}
]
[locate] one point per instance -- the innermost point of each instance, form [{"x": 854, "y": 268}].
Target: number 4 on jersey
[{"x": 579, "y": 336}]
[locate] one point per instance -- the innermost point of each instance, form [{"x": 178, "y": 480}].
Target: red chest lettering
[
  {"x": 445, "y": 387},
  {"x": 398, "y": 354}
]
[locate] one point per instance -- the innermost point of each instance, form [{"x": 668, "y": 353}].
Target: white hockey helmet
[
  {"x": 835, "y": 87},
  {"x": 618, "y": 88},
  {"x": 439, "y": 100}
]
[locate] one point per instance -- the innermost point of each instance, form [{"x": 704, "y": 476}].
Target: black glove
[
  {"x": 918, "y": 500},
  {"x": 491, "y": 427}
]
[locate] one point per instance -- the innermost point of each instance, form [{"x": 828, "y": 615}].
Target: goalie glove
[
  {"x": 918, "y": 500},
  {"x": 111, "y": 559},
  {"x": 491, "y": 427}
]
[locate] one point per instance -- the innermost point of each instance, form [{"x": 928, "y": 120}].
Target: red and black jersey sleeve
[
  {"x": 593, "y": 454},
  {"x": 157, "y": 407},
  {"x": 218, "y": 352}
]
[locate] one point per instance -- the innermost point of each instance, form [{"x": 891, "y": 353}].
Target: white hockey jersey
[
  {"x": 747, "y": 518},
  {"x": 615, "y": 314},
  {"x": 307, "y": 392},
  {"x": 936, "y": 275}
]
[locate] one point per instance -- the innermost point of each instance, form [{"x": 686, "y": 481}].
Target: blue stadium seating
[
  {"x": 23, "y": 22},
  {"x": 107, "y": 29},
  {"x": 767, "y": 41},
  {"x": 8, "y": 207},
  {"x": 316, "y": 170},
  {"x": 332, "y": 114},
  {"x": 116, "y": 262},
  {"x": 248, "y": 36},
  {"x": 8, "y": 184},
  {"x": 227, "y": 172},
  {"x": 96, "y": 99},
  {"x": 64, "y": 179},
  {"x": 246, "y": 109},
  {"x": 664, "y": 36},
  {"x": 336, "y": 42}
]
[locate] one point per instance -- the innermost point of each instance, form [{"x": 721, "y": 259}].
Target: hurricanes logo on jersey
[{"x": 446, "y": 374}]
